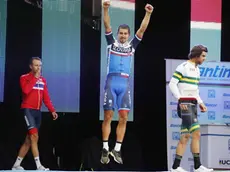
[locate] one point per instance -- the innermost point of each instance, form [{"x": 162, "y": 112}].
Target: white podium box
[{"x": 215, "y": 146}]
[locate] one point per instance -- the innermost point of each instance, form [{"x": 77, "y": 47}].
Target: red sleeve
[
  {"x": 46, "y": 98},
  {"x": 27, "y": 83}
]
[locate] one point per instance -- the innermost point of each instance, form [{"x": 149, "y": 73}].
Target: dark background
[{"x": 168, "y": 36}]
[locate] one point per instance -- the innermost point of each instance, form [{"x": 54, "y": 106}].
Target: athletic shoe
[
  {"x": 17, "y": 168},
  {"x": 178, "y": 169},
  {"x": 105, "y": 156},
  {"x": 42, "y": 168},
  {"x": 203, "y": 169},
  {"x": 117, "y": 156}
]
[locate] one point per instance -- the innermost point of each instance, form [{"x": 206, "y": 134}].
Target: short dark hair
[
  {"x": 123, "y": 26},
  {"x": 34, "y": 58},
  {"x": 196, "y": 51}
]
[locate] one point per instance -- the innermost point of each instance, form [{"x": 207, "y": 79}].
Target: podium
[{"x": 215, "y": 146}]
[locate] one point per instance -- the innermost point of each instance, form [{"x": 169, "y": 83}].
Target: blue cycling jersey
[{"x": 120, "y": 55}]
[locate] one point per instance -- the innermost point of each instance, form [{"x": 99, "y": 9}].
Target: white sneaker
[
  {"x": 17, "y": 168},
  {"x": 42, "y": 168},
  {"x": 178, "y": 169},
  {"x": 203, "y": 169}
]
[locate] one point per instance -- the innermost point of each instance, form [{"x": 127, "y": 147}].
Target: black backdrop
[{"x": 168, "y": 36}]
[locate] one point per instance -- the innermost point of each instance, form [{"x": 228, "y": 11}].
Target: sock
[
  {"x": 117, "y": 146},
  {"x": 37, "y": 161},
  {"x": 196, "y": 157},
  {"x": 18, "y": 161},
  {"x": 106, "y": 145},
  {"x": 177, "y": 160}
]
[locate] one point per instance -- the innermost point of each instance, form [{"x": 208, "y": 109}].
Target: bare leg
[
  {"x": 25, "y": 147},
  {"x": 181, "y": 147},
  {"x": 34, "y": 144},
  {"x": 121, "y": 127},
  {"x": 195, "y": 148},
  {"x": 106, "y": 125},
  {"x": 106, "y": 129},
  {"x": 23, "y": 151},
  {"x": 34, "y": 148}
]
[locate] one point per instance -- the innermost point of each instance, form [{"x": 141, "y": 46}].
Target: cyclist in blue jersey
[{"x": 117, "y": 88}]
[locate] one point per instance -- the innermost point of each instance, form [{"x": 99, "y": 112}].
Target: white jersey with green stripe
[{"x": 185, "y": 80}]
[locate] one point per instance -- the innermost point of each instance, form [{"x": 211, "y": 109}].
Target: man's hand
[
  {"x": 106, "y": 4},
  {"x": 149, "y": 8},
  {"x": 183, "y": 107},
  {"x": 203, "y": 108},
  {"x": 55, "y": 115}
]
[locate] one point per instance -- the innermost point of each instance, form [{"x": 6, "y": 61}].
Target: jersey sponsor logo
[
  {"x": 121, "y": 49},
  {"x": 215, "y": 72}
]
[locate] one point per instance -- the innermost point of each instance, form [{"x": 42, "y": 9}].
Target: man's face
[
  {"x": 123, "y": 35},
  {"x": 36, "y": 66},
  {"x": 202, "y": 58}
]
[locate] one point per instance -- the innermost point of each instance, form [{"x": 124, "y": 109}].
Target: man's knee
[
  {"x": 27, "y": 141},
  {"x": 184, "y": 139},
  {"x": 196, "y": 135},
  {"x": 34, "y": 138},
  {"x": 108, "y": 115},
  {"x": 33, "y": 134},
  {"x": 123, "y": 116}
]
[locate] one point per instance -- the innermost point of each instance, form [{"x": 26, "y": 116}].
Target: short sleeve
[
  {"x": 109, "y": 38},
  {"x": 135, "y": 41}
]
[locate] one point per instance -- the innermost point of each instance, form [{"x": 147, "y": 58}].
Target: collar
[
  {"x": 192, "y": 63},
  {"x": 122, "y": 45}
]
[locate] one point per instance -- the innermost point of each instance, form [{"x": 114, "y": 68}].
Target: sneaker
[
  {"x": 105, "y": 156},
  {"x": 42, "y": 168},
  {"x": 17, "y": 168},
  {"x": 178, "y": 169},
  {"x": 117, "y": 156},
  {"x": 203, "y": 169}
]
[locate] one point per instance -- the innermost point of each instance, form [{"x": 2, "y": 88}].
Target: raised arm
[
  {"x": 108, "y": 31},
  {"x": 106, "y": 17},
  {"x": 145, "y": 22}
]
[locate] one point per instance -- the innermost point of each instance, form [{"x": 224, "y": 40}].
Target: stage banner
[{"x": 214, "y": 91}]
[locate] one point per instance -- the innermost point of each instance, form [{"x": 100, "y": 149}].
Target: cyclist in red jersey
[{"x": 34, "y": 89}]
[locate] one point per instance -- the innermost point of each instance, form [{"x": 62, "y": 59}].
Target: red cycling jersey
[{"x": 35, "y": 91}]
